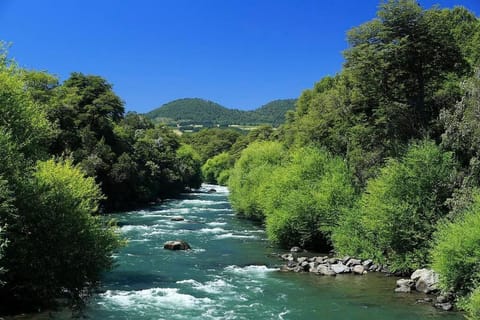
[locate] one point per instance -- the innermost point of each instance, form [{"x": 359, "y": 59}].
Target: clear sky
[{"x": 239, "y": 53}]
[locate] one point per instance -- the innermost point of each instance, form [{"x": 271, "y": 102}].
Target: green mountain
[{"x": 195, "y": 111}]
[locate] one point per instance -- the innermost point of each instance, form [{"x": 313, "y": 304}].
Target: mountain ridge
[{"x": 198, "y": 111}]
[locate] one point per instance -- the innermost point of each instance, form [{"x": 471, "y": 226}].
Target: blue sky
[{"x": 239, "y": 53}]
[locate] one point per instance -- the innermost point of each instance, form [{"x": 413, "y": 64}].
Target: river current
[{"x": 230, "y": 273}]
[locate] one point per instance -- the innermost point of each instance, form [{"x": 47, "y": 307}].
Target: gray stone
[
  {"x": 358, "y": 269},
  {"x": 287, "y": 256},
  {"x": 177, "y": 218},
  {"x": 426, "y": 280},
  {"x": 325, "y": 270},
  {"x": 403, "y": 290},
  {"x": 405, "y": 283},
  {"x": 332, "y": 260},
  {"x": 301, "y": 259},
  {"x": 443, "y": 298},
  {"x": 353, "y": 262},
  {"x": 296, "y": 249},
  {"x": 367, "y": 263},
  {"x": 345, "y": 260},
  {"x": 373, "y": 267},
  {"x": 447, "y": 306},
  {"x": 292, "y": 264},
  {"x": 340, "y": 268},
  {"x": 176, "y": 245}
]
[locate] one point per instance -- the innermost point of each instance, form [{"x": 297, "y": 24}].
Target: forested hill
[{"x": 207, "y": 113}]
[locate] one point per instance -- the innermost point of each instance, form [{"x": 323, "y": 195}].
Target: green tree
[
  {"x": 304, "y": 198},
  {"x": 456, "y": 251},
  {"x": 216, "y": 167},
  {"x": 396, "y": 216},
  {"x": 57, "y": 247},
  {"x": 250, "y": 172}
]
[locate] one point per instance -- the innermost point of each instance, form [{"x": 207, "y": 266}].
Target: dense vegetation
[
  {"x": 380, "y": 161},
  {"x": 191, "y": 112},
  {"x": 68, "y": 153}
]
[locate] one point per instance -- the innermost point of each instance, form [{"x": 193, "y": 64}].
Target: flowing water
[{"x": 230, "y": 273}]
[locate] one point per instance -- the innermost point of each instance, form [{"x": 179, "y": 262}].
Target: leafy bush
[
  {"x": 456, "y": 254},
  {"x": 215, "y": 167},
  {"x": 304, "y": 198},
  {"x": 472, "y": 305},
  {"x": 396, "y": 216},
  {"x": 57, "y": 248},
  {"x": 252, "y": 169}
]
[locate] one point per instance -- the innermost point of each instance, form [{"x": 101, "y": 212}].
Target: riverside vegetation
[
  {"x": 68, "y": 153},
  {"x": 380, "y": 162}
]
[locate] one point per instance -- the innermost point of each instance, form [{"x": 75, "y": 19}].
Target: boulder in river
[
  {"x": 177, "y": 218},
  {"x": 359, "y": 269},
  {"x": 211, "y": 190},
  {"x": 426, "y": 280},
  {"x": 176, "y": 245},
  {"x": 340, "y": 268},
  {"x": 296, "y": 249},
  {"x": 404, "y": 285}
]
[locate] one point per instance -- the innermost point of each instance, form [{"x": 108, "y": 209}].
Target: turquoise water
[{"x": 231, "y": 273}]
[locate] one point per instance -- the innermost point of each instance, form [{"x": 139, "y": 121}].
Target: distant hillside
[{"x": 200, "y": 112}]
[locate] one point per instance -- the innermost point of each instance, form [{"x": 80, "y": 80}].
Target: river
[{"x": 230, "y": 273}]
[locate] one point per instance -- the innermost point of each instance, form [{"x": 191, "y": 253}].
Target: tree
[
  {"x": 395, "y": 218},
  {"x": 303, "y": 199},
  {"x": 250, "y": 172},
  {"x": 57, "y": 247}
]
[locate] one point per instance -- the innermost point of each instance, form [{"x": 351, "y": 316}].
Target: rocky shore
[{"x": 422, "y": 280}]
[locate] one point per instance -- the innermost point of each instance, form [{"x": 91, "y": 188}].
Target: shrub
[
  {"x": 213, "y": 169},
  {"x": 303, "y": 199},
  {"x": 252, "y": 169},
  {"x": 394, "y": 220},
  {"x": 57, "y": 248},
  {"x": 472, "y": 305},
  {"x": 456, "y": 254}
]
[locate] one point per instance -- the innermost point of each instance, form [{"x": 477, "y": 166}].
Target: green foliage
[
  {"x": 252, "y": 169},
  {"x": 189, "y": 166},
  {"x": 397, "y": 214},
  {"x": 461, "y": 125},
  {"x": 57, "y": 248},
  {"x": 472, "y": 305},
  {"x": 210, "y": 142},
  {"x": 194, "y": 111},
  {"x": 304, "y": 198},
  {"x": 456, "y": 253},
  {"x": 215, "y": 168}
]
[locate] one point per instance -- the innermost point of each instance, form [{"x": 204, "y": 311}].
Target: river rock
[
  {"x": 404, "y": 285},
  {"x": 287, "y": 257},
  {"x": 302, "y": 259},
  {"x": 176, "y": 245},
  {"x": 367, "y": 263},
  {"x": 296, "y": 249},
  {"x": 332, "y": 260},
  {"x": 426, "y": 280},
  {"x": 325, "y": 270},
  {"x": 340, "y": 268},
  {"x": 447, "y": 306},
  {"x": 353, "y": 262},
  {"x": 211, "y": 190},
  {"x": 177, "y": 218},
  {"x": 359, "y": 269}
]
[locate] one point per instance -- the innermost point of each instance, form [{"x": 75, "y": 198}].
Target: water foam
[{"x": 167, "y": 298}]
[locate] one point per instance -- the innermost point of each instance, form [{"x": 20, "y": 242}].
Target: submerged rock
[
  {"x": 404, "y": 285},
  {"x": 177, "y": 218},
  {"x": 176, "y": 245}
]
